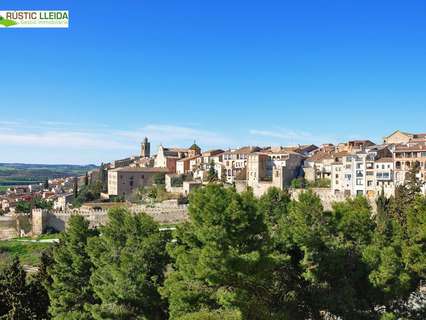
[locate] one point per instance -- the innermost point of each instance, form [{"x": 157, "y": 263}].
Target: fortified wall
[{"x": 58, "y": 220}]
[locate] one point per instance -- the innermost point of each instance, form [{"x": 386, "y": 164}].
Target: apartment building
[
  {"x": 235, "y": 162},
  {"x": 361, "y": 172}
]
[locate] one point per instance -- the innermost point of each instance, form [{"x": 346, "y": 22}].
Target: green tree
[
  {"x": 130, "y": 260},
  {"x": 159, "y": 179},
  {"x": 46, "y": 184},
  {"x": 38, "y": 285},
  {"x": 298, "y": 183},
  {"x": 103, "y": 177},
  {"x": 70, "y": 291},
  {"x": 212, "y": 174},
  {"x": 86, "y": 179},
  {"x": 274, "y": 205},
  {"x": 328, "y": 246},
  {"x": 75, "y": 187},
  {"x": 219, "y": 257},
  {"x": 23, "y": 206},
  {"x": 14, "y": 293},
  {"x": 382, "y": 211}
]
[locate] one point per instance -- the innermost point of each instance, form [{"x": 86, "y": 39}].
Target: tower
[{"x": 145, "y": 148}]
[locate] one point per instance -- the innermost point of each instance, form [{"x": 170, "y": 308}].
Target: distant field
[{"x": 19, "y": 173}]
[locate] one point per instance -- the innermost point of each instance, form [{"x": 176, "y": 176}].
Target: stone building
[
  {"x": 398, "y": 137},
  {"x": 406, "y": 156},
  {"x": 123, "y": 181},
  {"x": 276, "y": 167},
  {"x": 145, "y": 148},
  {"x": 167, "y": 157}
]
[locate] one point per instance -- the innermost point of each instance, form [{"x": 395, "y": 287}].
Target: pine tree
[
  {"x": 46, "y": 184},
  {"x": 75, "y": 188},
  {"x": 86, "y": 179},
  {"x": 38, "y": 286},
  {"x": 219, "y": 258},
  {"x": 103, "y": 177},
  {"x": 14, "y": 293},
  {"x": 212, "y": 174},
  {"x": 130, "y": 261},
  {"x": 382, "y": 211},
  {"x": 70, "y": 291}
]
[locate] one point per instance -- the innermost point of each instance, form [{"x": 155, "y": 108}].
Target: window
[{"x": 359, "y": 182}]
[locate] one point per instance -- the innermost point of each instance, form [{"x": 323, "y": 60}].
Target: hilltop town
[{"x": 358, "y": 167}]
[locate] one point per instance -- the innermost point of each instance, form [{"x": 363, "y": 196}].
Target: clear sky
[{"x": 225, "y": 73}]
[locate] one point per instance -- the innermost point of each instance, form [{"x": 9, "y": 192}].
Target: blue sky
[{"x": 225, "y": 73}]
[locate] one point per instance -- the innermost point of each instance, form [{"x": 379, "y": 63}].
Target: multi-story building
[
  {"x": 318, "y": 166},
  {"x": 406, "y": 156},
  {"x": 384, "y": 176},
  {"x": 167, "y": 157},
  {"x": 355, "y": 173},
  {"x": 235, "y": 161},
  {"x": 123, "y": 181},
  {"x": 273, "y": 168}
]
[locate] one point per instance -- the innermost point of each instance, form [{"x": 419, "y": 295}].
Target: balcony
[{"x": 384, "y": 176}]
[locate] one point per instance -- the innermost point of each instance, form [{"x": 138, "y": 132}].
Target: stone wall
[
  {"x": 328, "y": 197},
  {"x": 8, "y": 227},
  {"x": 169, "y": 212}
]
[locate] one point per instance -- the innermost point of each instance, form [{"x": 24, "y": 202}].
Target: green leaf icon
[{"x": 6, "y": 22}]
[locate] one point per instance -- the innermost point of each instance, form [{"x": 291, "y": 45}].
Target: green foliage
[
  {"x": 15, "y": 299},
  {"x": 212, "y": 173},
  {"x": 129, "y": 261},
  {"x": 159, "y": 179},
  {"x": 219, "y": 255},
  {"x": 177, "y": 181},
  {"x": 70, "y": 291},
  {"x": 213, "y": 315},
  {"x": 38, "y": 285},
  {"x": 155, "y": 193},
  {"x": 237, "y": 257},
  {"x": 274, "y": 205},
  {"x": 319, "y": 183},
  {"x": 36, "y": 203},
  {"x": 88, "y": 193},
  {"x": 29, "y": 253},
  {"x": 23, "y": 206},
  {"x": 298, "y": 183}
]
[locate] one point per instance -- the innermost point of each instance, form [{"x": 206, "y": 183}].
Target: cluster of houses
[
  {"x": 58, "y": 191},
  {"x": 358, "y": 167}
]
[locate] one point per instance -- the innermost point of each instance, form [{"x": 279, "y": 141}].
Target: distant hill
[{"x": 23, "y": 173}]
